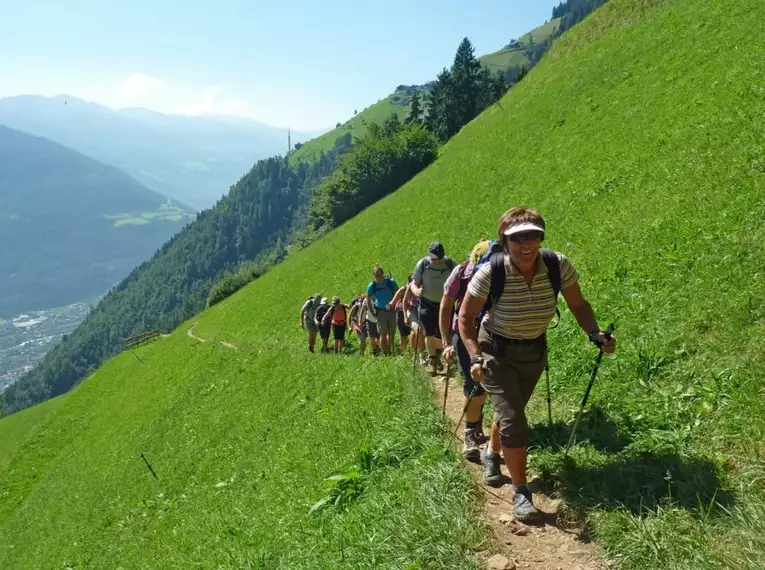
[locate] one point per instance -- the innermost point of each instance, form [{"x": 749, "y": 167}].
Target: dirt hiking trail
[{"x": 551, "y": 544}]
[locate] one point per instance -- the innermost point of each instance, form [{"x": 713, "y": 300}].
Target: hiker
[
  {"x": 380, "y": 293},
  {"x": 337, "y": 316},
  {"x": 357, "y": 323},
  {"x": 369, "y": 321},
  {"x": 428, "y": 280},
  {"x": 411, "y": 310},
  {"x": 454, "y": 349},
  {"x": 519, "y": 283},
  {"x": 324, "y": 328},
  {"x": 307, "y": 315},
  {"x": 402, "y": 318}
]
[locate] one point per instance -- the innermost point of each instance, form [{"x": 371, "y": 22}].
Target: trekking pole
[
  {"x": 609, "y": 331},
  {"x": 549, "y": 399},
  {"x": 416, "y": 350},
  {"x": 446, "y": 388}
]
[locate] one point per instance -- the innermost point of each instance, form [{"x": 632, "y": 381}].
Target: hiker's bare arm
[
  {"x": 584, "y": 315},
  {"x": 407, "y": 298},
  {"x": 416, "y": 289},
  {"x": 302, "y": 317},
  {"x": 466, "y": 322},
  {"x": 398, "y": 296},
  {"x": 469, "y": 310},
  {"x": 444, "y": 319},
  {"x": 445, "y": 324}
]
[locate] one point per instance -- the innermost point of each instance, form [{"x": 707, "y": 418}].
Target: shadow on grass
[
  {"x": 619, "y": 479},
  {"x": 596, "y": 427}
]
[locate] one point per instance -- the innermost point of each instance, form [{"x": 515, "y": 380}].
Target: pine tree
[
  {"x": 415, "y": 112},
  {"x": 466, "y": 73}
]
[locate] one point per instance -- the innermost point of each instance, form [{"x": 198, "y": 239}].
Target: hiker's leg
[
  {"x": 494, "y": 441},
  {"x": 473, "y": 413},
  {"x": 312, "y": 330},
  {"x": 404, "y": 344},
  {"x": 514, "y": 374},
  {"x": 515, "y": 459},
  {"x": 433, "y": 345}
]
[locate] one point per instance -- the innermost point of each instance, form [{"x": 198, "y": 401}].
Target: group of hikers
[{"x": 489, "y": 316}]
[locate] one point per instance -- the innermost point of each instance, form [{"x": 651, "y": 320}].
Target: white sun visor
[{"x": 524, "y": 227}]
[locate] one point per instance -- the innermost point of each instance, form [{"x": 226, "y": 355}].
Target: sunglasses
[{"x": 526, "y": 237}]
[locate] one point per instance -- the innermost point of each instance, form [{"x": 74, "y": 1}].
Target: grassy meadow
[
  {"x": 164, "y": 212},
  {"x": 640, "y": 138}
]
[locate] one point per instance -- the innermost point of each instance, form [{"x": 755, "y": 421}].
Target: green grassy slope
[
  {"x": 639, "y": 137},
  {"x": 513, "y": 56},
  {"x": 241, "y": 443},
  {"x": 356, "y": 126}
]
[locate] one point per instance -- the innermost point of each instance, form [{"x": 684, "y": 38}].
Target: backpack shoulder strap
[
  {"x": 497, "y": 266},
  {"x": 552, "y": 262}
]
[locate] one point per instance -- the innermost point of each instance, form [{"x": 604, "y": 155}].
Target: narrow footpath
[{"x": 551, "y": 544}]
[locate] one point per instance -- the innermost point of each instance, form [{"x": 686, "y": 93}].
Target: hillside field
[{"x": 639, "y": 136}]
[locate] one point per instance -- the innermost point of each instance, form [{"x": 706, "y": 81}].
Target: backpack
[{"x": 388, "y": 285}]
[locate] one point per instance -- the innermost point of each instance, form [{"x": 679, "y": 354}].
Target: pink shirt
[{"x": 452, "y": 288}]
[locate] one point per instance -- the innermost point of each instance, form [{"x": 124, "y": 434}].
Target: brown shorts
[
  {"x": 386, "y": 322},
  {"x": 516, "y": 367}
]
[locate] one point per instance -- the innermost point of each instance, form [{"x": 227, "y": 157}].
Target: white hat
[
  {"x": 323, "y": 301},
  {"x": 523, "y": 227}
]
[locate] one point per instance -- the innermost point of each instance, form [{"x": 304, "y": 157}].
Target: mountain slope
[
  {"x": 192, "y": 159},
  {"x": 514, "y": 54},
  {"x": 397, "y": 102},
  {"x": 639, "y": 137},
  {"x": 71, "y": 227}
]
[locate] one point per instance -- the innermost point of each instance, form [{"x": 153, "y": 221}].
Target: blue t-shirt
[{"x": 383, "y": 292}]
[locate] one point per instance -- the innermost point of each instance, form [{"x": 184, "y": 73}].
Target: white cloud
[
  {"x": 213, "y": 103},
  {"x": 138, "y": 84}
]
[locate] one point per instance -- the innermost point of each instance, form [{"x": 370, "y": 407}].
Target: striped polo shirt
[{"x": 523, "y": 311}]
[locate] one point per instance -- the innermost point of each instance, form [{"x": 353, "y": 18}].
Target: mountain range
[
  {"x": 71, "y": 227},
  {"x": 191, "y": 159}
]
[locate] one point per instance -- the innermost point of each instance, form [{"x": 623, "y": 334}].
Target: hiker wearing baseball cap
[
  {"x": 509, "y": 352},
  {"x": 428, "y": 280},
  {"x": 380, "y": 293}
]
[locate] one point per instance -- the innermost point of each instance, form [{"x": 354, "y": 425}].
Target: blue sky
[{"x": 307, "y": 64}]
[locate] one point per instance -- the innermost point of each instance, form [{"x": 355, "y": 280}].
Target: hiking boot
[
  {"x": 471, "y": 450},
  {"x": 492, "y": 474},
  {"x": 524, "y": 507}
]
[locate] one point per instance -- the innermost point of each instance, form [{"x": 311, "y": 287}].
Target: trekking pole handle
[{"x": 608, "y": 332}]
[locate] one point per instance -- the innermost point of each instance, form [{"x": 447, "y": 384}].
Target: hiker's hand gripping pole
[{"x": 608, "y": 332}]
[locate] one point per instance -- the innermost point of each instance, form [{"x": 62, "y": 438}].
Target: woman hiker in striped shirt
[{"x": 511, "y": 340}]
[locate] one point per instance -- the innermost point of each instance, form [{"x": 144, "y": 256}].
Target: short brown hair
[{"x": 518, "y": 215}]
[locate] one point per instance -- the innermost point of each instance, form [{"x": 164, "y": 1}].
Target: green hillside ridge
[
  {"x": 513, "y": 55},
  {"x": 397, "y": 102},
  {"x": 639, "y": 138}
]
